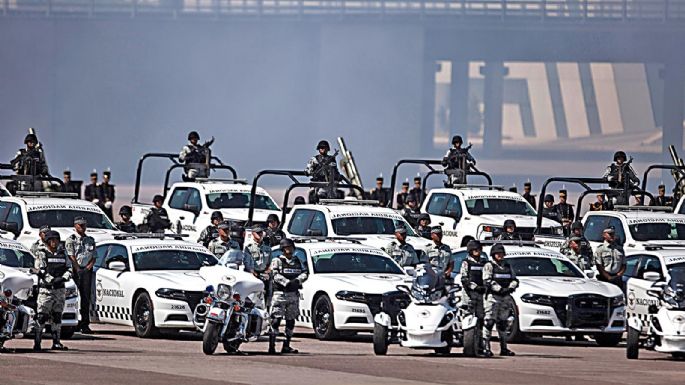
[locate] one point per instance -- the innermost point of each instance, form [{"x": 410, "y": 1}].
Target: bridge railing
[{"x": 534, "y": 10}]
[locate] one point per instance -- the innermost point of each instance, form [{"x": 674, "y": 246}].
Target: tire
[
  {"x": 514, "y": 333},
  {"x": 447, "y": 337},
  {"x": 471, "y": 342},
  {"x": 678, "y": 355},
  {"x": 632, "y": 344},
  {"x": 144, "y": 317},
  {"x": 608, "y": 340},
  {"x": 323, "y": 320},
  {"x": 67, "y": 332},
  {"x": 210, "y": 339},
  {"x": 380, "y": 339}
]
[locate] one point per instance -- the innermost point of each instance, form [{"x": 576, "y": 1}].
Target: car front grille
[
  {"x": 588, "y": 310},
  {"x": 374, "y": 302},
  {"x": 193, "y": 298}
]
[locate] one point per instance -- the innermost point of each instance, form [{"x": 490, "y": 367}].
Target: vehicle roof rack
[
  {"x": 477, "y": 186},
  {"x": 214, "y": 180},
  {"x": 160, "y": 236},
  {"x": 491, "y": 242},
  {"x": 356, "y": 240},
  {"x": 351, "y": 202},
  {"x": 660, "y": 246},
  {"x": 45, "y": 194},
  {"x": 663, "y": 209}
]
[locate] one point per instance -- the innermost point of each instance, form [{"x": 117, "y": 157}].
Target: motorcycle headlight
[
  {"x": 537, "y": 299},
  {"x": 71, "y": 293},
  {"x": 171, "y": 294},
  {"x": 618, "y": 301},
  {"x": 352, "y": 296},
  {"x": 224, "y": 292}
]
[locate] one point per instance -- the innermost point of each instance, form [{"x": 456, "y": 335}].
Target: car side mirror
[
  {"x": 590, "y": 273},
  {"x": 12, "y": 227},
  {"x": 410, "y": 270},
  {"x": 651, "y": 276},
  {"x": 117, "y": 266}
]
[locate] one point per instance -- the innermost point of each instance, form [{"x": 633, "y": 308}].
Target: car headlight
[
  {"x": 537, "y": 299},
  {"x": 71, "y": 292},
  {"x": 171, "y": 294},
  {"x": 224, "y": 292},
  {"x": 618, "y": 301},
  {"x": 352, "y": 296}
]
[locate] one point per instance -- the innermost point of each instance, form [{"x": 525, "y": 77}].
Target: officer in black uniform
[
  {"x": 549, "y": 210},
  {"x": 380, "y": 193},
  {"x": 30, "y": 160},
  {"x": 662, "y": 199},
  {"x": 93, "y": 192},
  {"x": 273, "y": 235},
  {"x": 108, "y": 193},
  {"x": 457, "y": 161},
  {"x": 473, "y": 286},
  {"x": 71, "y": 186},
  {"x": 402, "y": 195},
  {"x": 564, "y": 211},
  {"x": 509, "y": 232},
  {"x": 500, "y": 281},
  {"x": 211, "y": 232},
  {"x": 411, "y": 211},
  {"x": 423, "y": 228},
  {"x": 600, "y": 204},
  {"x": 126, "y": 212},
  {"x": 620, "y": 175},
  {"x": 157, "y": 219},
  {"x": 316, "y": 165},
  {"x": 530, "y": 198},
  {"x": 417, "y": 191},
  {"x": 194, "y": 157}
]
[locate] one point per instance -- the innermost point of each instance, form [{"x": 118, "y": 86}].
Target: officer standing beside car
[
  {"x": 81, "y": 250},
  {"x": 440, "y": 254},
  {"x": 211, "y": 232},
  {"x": 402, "y": 252},
  {"x": 222, "y": 243},
  {"x": 500, "y": 281},
  {"x": 530, "y": 198},
  {"x": 52, "y": 268},
  {"x": 610, "y": 260},
  {"x": 288, "y": 275},
  {"x": 260, "y": 255},
  {"x": 473, "y": 286}
]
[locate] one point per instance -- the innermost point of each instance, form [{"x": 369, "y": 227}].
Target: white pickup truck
[
  {"x": 190, "y": 205},
  {"x": 478, "y": 212}
]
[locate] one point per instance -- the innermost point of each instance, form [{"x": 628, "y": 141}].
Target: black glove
[
  {"x": 59, "y": 281},
  {"x": 293, "y": 285}
]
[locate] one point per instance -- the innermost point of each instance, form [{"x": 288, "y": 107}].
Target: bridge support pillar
[
  {"x": 427, "y": 132},
  {"x": 674, "y": 104},
  {"x": 459, "y": 101},
  {"x": 493, "y": 90}
]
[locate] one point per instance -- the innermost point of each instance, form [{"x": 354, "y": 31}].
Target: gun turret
[{"x": 349, "y": 166}]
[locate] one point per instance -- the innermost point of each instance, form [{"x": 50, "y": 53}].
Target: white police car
[
  {"x": 345, "y": 287},
  {"x": 151, "y": 283}
]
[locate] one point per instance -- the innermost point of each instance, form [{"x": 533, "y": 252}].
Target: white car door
[
  {"x": 446, "y": 209},
  {"x": 636, "y": 288},
  {"x": 184, "y": 207},
  {"x": 110, "y": 293}
]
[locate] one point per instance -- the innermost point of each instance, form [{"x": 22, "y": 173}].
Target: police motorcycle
[
  {"x": 666, "y": 322},
  {"x": 232, "y": 314},
  {"x": 429, "y": 321},
  {"x": 15, "y": 317}
]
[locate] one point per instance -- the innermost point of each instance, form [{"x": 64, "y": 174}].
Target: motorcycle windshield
[
  {"x": 426, "y": 284},
  {"x": 676, "y": 285}
]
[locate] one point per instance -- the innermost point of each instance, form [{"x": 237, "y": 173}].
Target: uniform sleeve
[
  {"x": 184, "y": 152},
  {"x": 305, "y": 273},
  {"x": 248, "y": 262},
  {"x": 464, "y": 277},
  {"x": 565, "y": 247},
  {"x": 39, "y": 262},
  {"x": 203, "y": 236},
  {"x": 446, "y": 158},
  {"x": 70, "y": 246},
  {"x": 487, "y": 278},
  {"x": 514, "y": 281},
  {"x": 278, "y": 277},
  {"x": 311, "y": 166},
  {"x": 607, "y": 174}
]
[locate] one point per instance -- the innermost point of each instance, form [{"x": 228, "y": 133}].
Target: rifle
[{"x": 322, "y": 166}]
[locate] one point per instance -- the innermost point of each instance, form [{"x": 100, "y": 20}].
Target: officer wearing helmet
[
  {"x": 211, "y": 232},
  {"x": 288, "y": 275},
  {"x": 234, "y": 256},
  {"x": 157, "y": 219},
  {"x": 411, "y": 210},
  {"x": 52, "y": 268},
  {"x": 457, "y": 161},
  {"x": 31, "y": 159},
  {"x": 440, "y": 254},
  {"x": 576, "y": 231},
  {"x": 194, "y": 156},
  {"x": 500, "y": 281},
  {"x": 548, "y": 210},
  {"x": 41, "y": 239},
  {"x": 273, "y": 234},
  {"x": 509, "y": 232},
  {"x": 322, "y": 167},
  {"x": 620, "y": 175},
  {"x": 260, "y": 257},
  {"x": 402, "y": 252},
  {"x": 473, "y": 285},
  {"x": 125, "y": 213},
  {"x": 423, "y": 228},
  {"x": 80, "y": 248}
]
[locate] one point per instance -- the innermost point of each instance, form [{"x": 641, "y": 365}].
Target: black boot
[
  {"x": 506, "y": 353},
  {"x": 286, "y": 347},
  {"x": 272, "y": 342},
  {"x": 56, "y": 343}
]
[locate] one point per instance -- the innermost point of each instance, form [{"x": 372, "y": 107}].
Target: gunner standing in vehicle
[
  {"x": 457, "y": 161},
  {"x": 500, "y": 281},
  {"x": 157, "y": 219},
  {"x": 380, "y": 193},
  {"x": 509, "y": 232},
  {"x": 125, "y": 213},
  {"x": 193, "y": 155},
  {"x": 402, "y": 252},
  {"x": 620, "y": 175},
  {"x": 211, "y": 232},
  {"x": 260, "y": 255},
  {"x": 564, "y": 211},
  {"x": 473, "y": 286},
  {"x": 402, "y": 195},
  {"x": 31, "y": 159},
  {"x": 530, "y": 198},
  {"x": 423, "y": 228},
  {"x": 81, "y": 250},
  {"x": 610, "y": 260},
  {"x": 273, "y": 234}
]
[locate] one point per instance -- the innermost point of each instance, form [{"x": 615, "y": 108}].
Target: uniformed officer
[
  {"x": 260, "y": 255},
  {"x": 411, "y": 211},
  {"x": 549, "y": 211},
  {"x": 157, "y": 219},
  {"x": 316, "y": 167},
  {"x": 417, "y": 191},
  {"x": 509, "y": 232},
  {"x": 220, "y": 245},
  {"x": 423, "y": 228},
  {"x": 473, "y": 286},
  {"x": 620, "y": 172},
  {"x": 288, "y": 275},
  {"x": 402, "y": 252},
  {"x": 194, "y": 156},
  {"x": 402, "y": 195},
  {"x": 530, "y": 198},
  {"x": 500, "y": 281},
  {"x": 125, "y": 213},
  {"x": 211, "y": 232},
  {"x": 579, "y": 255},
  {"x": 662, "y": 199},
  {"x": 30, "y": 160},
  {"x": 41, "y": 239},
  {"x": 610, "y": 260},
  {"x": 52, "y": 267},
  {"x": 577, "y": 231},
  {"x": 108, "y": 193},
  {"x": 600, "y": 204},
  {"x": 93, "y": 192},
  {"x": 440, "y": 255},
  {"x": 71, "y": 186},
  {"x": 564, "y": 210},
  {"x": 457, "y": 161},
  {"x": 273, "y": 234},
  {"x": 380, "y": 193},
  {"x": 81, "y": 250}
]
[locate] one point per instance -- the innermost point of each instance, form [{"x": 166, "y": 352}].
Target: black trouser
[{"x": 85, "y": 280}]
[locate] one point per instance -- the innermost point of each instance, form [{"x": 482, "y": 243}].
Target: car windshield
[
  {"x": 677, "y": 274},
  {"x": 65, "y": 218},
  {"x": 498, "y": 206},
  {"x": 458, "y": 258},
  {"x": 369, "y": 225},
  {"x": 16, "y": 258},
  {"x": 658, "y": 231},
  {"x": 239, "y": 200},
  {"x": 544, "y": 267},
  {"x": 172, "y": 260},
  {"x": 344, "y": 263}
]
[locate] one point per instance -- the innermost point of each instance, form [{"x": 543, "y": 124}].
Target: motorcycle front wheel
[{"x": 210, "y": 338}]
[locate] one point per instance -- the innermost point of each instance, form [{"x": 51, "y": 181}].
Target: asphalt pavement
[{"x": 114, "y": 355}]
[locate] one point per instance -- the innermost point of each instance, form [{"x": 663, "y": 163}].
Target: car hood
[
  {"x": 565, "y": 286},
  {"x": 521, "y": 220},
  {"x": 371, "y": 283},
  {"x": 381, "y": 241},
  {"x": 98, "y": 235},
  {"x": 259, "y": 215},
  {"x": 179, "y": 279}
]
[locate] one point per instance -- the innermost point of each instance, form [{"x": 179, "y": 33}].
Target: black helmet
[
  {"x": 473, "y": 245},
  {"x": 497, "y": 248},
  {"x": 549, "y": 198},
  {"x": 457, "y": 139},
  {"x": 425, "y": 216},
  {"x": 299, "y": 200},
  {"x": 217, "y": 215},
  {"x": 52, "y": 234},
  {"x": 286, "y": 242},
  {"x": 323, "y": 144},
  {"x": 620, "y": 154},
  {"x": 158, "y": 198},
  {"x": 273, "y": 218},
  {"x": 30, "y": 138},
  {"x": 577, "y": 225},
  {"x": 126, "y": 210},
  {"x": 193, "y": 135},
  {"x": 509, "y": 222},
  {"x": 410, "y": 198}
]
